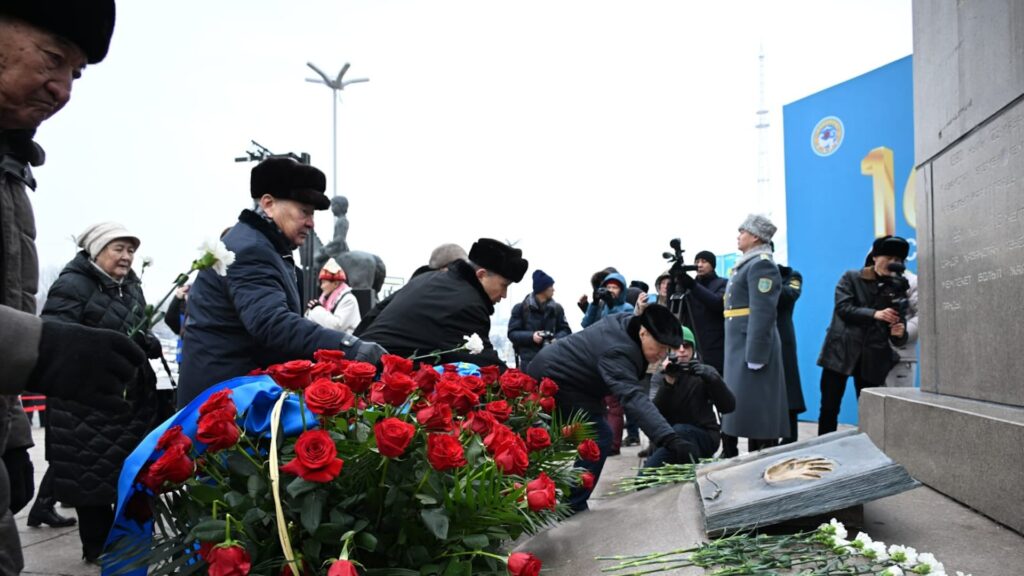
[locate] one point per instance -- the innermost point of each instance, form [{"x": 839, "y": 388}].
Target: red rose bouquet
[{"x": 412, "y": 471}]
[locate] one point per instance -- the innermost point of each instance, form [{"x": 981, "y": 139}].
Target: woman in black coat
[{"x": 86, "y": 447}]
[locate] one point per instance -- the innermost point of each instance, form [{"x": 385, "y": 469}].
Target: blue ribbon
[
  {"x": 254, "y": 396},
  {"x": 463, "y": 368}
]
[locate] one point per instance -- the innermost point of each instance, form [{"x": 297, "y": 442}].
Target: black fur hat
[
  {"x": 663, "y": 325},
  {"x": 890, "y": 246},
  {"x": 499, "y": 257},
  {"x": 89, "y": 24},
  {"x": 288, "y": 179}
]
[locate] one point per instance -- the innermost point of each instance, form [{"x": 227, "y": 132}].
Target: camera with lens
[
  {"x": 677, "y": 367},
  {"x": 605, "y": 295},
  {"x": 677, "y": 268},
  {"x": 547, "y": 336},
  {"x": 892, "y": 290}
]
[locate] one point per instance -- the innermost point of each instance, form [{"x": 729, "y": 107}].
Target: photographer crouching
[
  {"x": 689, "y": 392},
  {"x": 870, "y": 313}
]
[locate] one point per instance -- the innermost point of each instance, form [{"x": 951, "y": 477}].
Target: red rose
[
  {"x": 571, "y": 430},
  {"x": 218, "y": 430},
  {"x": 547, "y": 404},
  {"x": 474, "y": 384},
  {"x": 500, "y": 438},
  {"x": 359, "y": 376},
  {"x": 293, "y": 375},
  {"x": 449, "y": 390},
  {"x": 393, "y": 436},
  {"x": 436, "y": 418},
  {"x": 342, "y": 568},
  {"x": 322, "y": 370},
  {"x": 548, "y": 387},
  {"x": 522, "y": 564},
  {"x": 589, "y": 450},
  {"x": 426, "y": 378},
  {"x": 397, "y": 387},
  {"x": 480, "y": 422},
  {"x": 500, "y": 409},
  {"x": 540, "y": 493},
  {"x": 328, "y": 398},
  {"x": 218, "y": 401},
  {"x": 445, "y": 452},
  {"x": 396, "y": 364},
  {"x": 228, "y": 561},
  {"x": 174, "y": 436},
  {"x": 489, "y": 374},
  {"x": 332, "y": 359},
  {"x": 513, "y": 383},
  {"x": 286, "y": 570},
  {"x": 316, "y": 457},
  {"x": 537, "y": 439},
  {"x": 512, "y": 460},
  {"x": 172, "y": 466},
  {"x": 256, "y": 372},
  {"x": 587, "y": 481}
]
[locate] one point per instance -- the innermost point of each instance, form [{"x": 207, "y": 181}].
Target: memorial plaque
[
  {"x": 977, "y": 235},
  {"x": 807, "y": 478}
]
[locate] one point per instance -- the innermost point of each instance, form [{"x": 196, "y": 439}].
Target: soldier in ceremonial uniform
[{"x": 753, "y": 351}]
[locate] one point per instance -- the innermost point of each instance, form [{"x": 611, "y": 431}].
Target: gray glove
[{"x": 362, "y": 351}]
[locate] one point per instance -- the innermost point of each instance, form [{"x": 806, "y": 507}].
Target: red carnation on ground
[
  {"x": 437, "y": 418},
  {"x": 537, "y": 439},
  {"x": 218, "y": 429},
  {"x": 445, "y": 452},
  {"x": 316, "y": 457},
  {"x": 293, "y": 375},
  {"x": 172, "y": 437},
  {"x": 523, "y": 564},
  {"x": 540, "y": 493},
  {"x": 228, "y": 561},
  {"x": 393, "y": 436},
  {"x": 359, "y": 376},
  {"x": 328, "y": 398},
  {"x": 589, "y": 450}
]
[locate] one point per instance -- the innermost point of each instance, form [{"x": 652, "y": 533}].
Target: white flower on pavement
[
  {"x": 474, "y": 344},
  {"x": 891, "y": 571},
  {"x": 904, "y": 555},
  {"x": 876, "y": 551},
  {"x": 927, "y": 564},
  {"x": 840, "y": 530}
]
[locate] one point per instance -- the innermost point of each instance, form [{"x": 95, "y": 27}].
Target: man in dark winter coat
[
  {"x": 689, "y": 392},
  {"x": 436, "y": 311},
  {"x": 704, "y": 295},
  {"x": 252, "y": 317},
  {"x": 753, "y": 351},
  {"x": 536, "y": 321},
  {"x": 609, "y": 358},
  {"x": 792, "y": 286},
  {"x": 44, "y": 44},
  {"x": 863, "y": 326}
]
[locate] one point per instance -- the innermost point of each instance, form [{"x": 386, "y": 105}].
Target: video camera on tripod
[{"x": 892, "y": 290}]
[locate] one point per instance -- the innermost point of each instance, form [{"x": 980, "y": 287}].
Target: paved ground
[{"x": 959, "y": 537}]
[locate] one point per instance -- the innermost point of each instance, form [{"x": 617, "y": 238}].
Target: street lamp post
[{"x": 336, "y": 85}]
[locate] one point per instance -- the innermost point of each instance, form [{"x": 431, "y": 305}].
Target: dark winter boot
[{"x": 42, "y": 512}]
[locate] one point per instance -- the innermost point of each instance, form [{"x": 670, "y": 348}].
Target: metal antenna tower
[{"x": 763, "y": 177}]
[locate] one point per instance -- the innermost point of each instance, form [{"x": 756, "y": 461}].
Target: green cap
[{"x": 688, "y": 336}]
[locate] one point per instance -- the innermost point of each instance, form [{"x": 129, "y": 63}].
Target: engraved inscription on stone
[{"x": 978, "y": 225}]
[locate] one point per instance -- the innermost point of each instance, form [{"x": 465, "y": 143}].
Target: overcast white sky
[{"x": 589, "y": 132}]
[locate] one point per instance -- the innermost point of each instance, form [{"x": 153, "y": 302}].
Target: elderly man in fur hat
[
  {"x": 252, "y": 317},
  {"x": 753, "y": 350},
  {"x": 44, "y": 46},
  {"x": 434, "y": 311}
]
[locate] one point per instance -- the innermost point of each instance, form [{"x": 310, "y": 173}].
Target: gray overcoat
[{"x": 752, "y": 336}]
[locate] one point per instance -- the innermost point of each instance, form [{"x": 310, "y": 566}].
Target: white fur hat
[{"x": 96, "y": 237}]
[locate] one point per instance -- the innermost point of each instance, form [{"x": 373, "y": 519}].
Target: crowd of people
[{"x": 697, "y": 364}]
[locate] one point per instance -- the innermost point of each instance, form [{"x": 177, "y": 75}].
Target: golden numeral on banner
[{"x": 879, "y": 165}]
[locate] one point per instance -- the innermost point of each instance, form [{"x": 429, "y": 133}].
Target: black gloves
[
  {"x": 362, "y": 351},
  {"x": 87, "y": 365},
  {"x": 706, "y": 372},
  {"x": 682, "y": 452},
  {"x": 686, "y": 281},
  {"x": 149, "y": 344}
]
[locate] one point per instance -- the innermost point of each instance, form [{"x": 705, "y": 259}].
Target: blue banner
[{"x": 849, "y": 179}]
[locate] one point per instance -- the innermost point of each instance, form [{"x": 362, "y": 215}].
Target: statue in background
[{"x": 365, "y": 271}]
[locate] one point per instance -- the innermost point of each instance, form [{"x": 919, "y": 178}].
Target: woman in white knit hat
[
  {"x": 337, "y": 307},
  {"x": 86, "y": 447}
]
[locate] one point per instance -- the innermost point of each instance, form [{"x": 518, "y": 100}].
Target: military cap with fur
[
  {"x": 88, "y": 24},
  {"x": 759, "y": 226},
  {"x": 663, "y": 325},
  {"x": 499, "y": 257}
]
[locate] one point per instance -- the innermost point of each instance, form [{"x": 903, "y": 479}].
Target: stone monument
[
  {"x": 962, "y": 432},
  {"x": 365, "y": 271}
]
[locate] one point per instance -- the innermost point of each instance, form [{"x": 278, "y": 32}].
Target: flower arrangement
[{"x": 327, "y": 467}]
